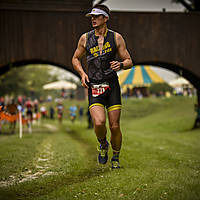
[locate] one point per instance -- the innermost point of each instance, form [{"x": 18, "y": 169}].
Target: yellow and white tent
[{"x": 139, "y": 76}]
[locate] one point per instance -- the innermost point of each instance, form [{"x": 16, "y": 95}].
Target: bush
[{"x": 157, "y": 88}]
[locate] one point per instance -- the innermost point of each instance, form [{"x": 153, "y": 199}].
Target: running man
[{"x": 101, "y": 46}]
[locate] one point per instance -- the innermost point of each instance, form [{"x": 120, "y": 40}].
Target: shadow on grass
[
  {"x": 75, "y": 135},
  {"x": 7, "y": 133},
  {"x": 189, "y": 130}
]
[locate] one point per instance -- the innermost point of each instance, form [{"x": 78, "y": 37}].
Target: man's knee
[
  {"x": 99, "y": 123},
  {"x": 114, "y": 127}
]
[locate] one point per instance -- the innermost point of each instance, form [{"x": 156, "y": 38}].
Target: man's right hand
[{"x": 85, "y": 80}]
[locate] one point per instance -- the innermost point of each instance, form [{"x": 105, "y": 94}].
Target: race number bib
[{"x": 98, "y": 89}]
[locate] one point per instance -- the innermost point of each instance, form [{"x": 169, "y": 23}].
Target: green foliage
[
  {"x": 11, "y": 82},
  {"x": 156, "y": 88},
  {"x": 26, "y": 80}
]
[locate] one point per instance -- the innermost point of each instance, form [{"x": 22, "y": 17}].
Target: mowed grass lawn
[{"x": 160, "y": 157}]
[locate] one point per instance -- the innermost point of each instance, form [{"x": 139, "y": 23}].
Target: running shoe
[
  {"x": 103, "y": 153},
  {"x": 115, "y": 163}
]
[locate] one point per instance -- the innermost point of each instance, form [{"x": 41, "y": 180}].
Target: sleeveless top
[{"x": 99, "y": 65}]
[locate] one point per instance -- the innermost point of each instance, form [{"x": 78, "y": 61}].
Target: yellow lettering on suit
[{"x": 106, "y": 47}]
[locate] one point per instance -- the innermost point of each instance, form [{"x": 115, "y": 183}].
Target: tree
[
  {"x": 156, "y": 88},
  {"x": 11, "y": 82},
  {"x": 190, "y": 5},
  {"x": 26, "y": 80}
]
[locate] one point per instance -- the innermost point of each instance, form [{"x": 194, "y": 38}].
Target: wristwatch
[{"x": 121, "y": 65}]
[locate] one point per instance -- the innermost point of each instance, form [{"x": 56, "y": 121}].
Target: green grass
[{"x": 159, "y": 157}]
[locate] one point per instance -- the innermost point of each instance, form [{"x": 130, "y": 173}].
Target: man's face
[{"x": 98, "y": 20}]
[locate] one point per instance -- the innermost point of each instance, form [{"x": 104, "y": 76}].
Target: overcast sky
[{"x": 142, "y": 5}]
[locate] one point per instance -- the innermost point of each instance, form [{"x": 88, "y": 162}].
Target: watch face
[{"x": 121, "y": 65}]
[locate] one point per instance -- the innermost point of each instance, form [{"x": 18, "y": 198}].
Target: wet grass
[{"x": 159, "y": 158}]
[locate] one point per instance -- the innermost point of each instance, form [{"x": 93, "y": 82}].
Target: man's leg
[
  {"x": 116, "y": 135},
  {"x": 99, "y": 119}
]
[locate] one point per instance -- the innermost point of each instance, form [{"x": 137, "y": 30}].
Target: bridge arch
[
  {"x": 9, "y": 66},
  {"x": 187, "y": 74}
]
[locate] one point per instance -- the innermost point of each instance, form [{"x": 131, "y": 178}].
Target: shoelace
[
  {"x": 102, "y": 151},
  {"x": 115, "y": 164}
]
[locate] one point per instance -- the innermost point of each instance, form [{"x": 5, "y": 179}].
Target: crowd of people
[
  {"x": 140, "y": 92},
  {"x": 39, "y": 110}
]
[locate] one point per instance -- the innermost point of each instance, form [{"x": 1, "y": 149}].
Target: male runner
[{"x": 101, "y": 46}]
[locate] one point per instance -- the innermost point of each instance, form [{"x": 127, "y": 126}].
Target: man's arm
[
  {"x": 124, "y": 55},
  {"x": 79, "y": 52}
]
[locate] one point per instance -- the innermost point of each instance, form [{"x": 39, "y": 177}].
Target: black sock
[
  {"x": 103, "y": 142},
  {"x": 115, "y": 154}
]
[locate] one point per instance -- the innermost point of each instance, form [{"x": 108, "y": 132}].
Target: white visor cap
[{"x": 97, "y": 11}]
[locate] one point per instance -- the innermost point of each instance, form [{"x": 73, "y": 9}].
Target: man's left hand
[{"x": 115, "y": 65}]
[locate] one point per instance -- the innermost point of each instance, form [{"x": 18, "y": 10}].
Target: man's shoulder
[
  {"x": 112, "y": 31},
  {"x": 117, "y": 34},
  {"x": 90, "y": 33}
]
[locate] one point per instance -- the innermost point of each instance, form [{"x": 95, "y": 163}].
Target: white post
[
  {"x": 20, "y": 124},
  {"x": 29, "y": 127}
]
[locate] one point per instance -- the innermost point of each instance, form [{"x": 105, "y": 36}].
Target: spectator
[
  {"x": 60, "y": 112},
  {"x": 29, "y": 110},
  {"x": 52, "y": 111},
  {"x": 73, "y": 110},
  {"x": 90, "y": 123},
  {"x": 80, "y": 113},
  {"x": 43, "y": 111}
]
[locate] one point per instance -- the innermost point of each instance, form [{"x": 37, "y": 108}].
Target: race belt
[{"x": 98, "y": 89}]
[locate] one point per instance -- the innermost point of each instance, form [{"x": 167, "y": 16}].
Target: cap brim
[
  {"x": 91, "y": 13},
  {"x": 97, "y": 12}
]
